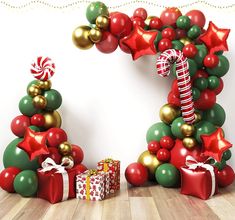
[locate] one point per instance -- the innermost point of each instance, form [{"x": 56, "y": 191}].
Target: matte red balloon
[
  {"x": 189, "y": 50},
  {"x": 169, "y": 33},
  {"x": 138, "y": 21},
  {"x": 180, "y": 33},
  {"x": 108, "y": 43},
  {"x": 155, "y": 23},
  {"x": 211, "y": 61},
  {"x": 77, "y": 154},
  {"x": 164, "y": 44},
  {"x": 225, "y": 177},
  {"x": 38, "y": 120},
  {"x": 153, "y": 147},
  {"x": 136, "y": 174},
  {"x": 175, "y": 88},
  {"x": 19, "y": 125},
  {"x": 80, "y": 168},
  {"x": 196, "y": 18},
  {"x": 141, "y": 13},
  {"x": 163, "y": 155},
  {"x": 56, "y": 136},
  {"x": 7, "y": 177},
  {"x": 219, "y": 89},
  {"x": 53, "y": 154},
  {"x": 167, "y": 142},
  {"x": 200, "y": 73},
  {"x": 170, "y": 15},
  {"x": 173, "y": 99},
  {"x": 206, "y": 100}
]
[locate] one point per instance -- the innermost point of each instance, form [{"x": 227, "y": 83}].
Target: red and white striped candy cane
[{"x": 163, "y": 65}]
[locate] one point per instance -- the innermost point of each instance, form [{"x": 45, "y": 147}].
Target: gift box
[
  {"x": 56, "y": 184},
  {"x": 112, "y": 167},
  {"x": 198, "y": 179},
  {"x": 92, "y": 185}
]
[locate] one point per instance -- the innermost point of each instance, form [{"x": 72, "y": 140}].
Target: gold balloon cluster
[
  {"x": 65, "y": 150},
  {"x": 84, "y": 36},
  {"x": 168, "y": 113}
]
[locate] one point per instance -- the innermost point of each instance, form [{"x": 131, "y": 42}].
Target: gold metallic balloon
[
  {"x": 67, "y": 161},
  {"x": 102, "y": 22},
  {"x": 45, "y": 85},
  {"x": 198, "y": 117},
  {"x": 95, "y": 35},
  {"x": 187, "y": 130},
  {"x": 168, "y": 113},
  {"x": 150, "y": 161},
  {"x": 34, "y": 90},
  {"x": 185, "y": 40},
  {"x": 148, "y": 19},
  {"x": 189, "y": 142},
  {"x": 39, "y": 102},
  {"x": 65, "y": 148},
  {"x": 81, "y": 37},
  {"x": 52, "y": 119}
]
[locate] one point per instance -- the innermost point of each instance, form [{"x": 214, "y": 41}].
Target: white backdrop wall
[{"x": 109, "y": 101}]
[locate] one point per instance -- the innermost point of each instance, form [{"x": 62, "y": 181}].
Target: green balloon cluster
[
  {"x": 26, "y": 106},
  {"x": 183, "y": 22},
  {"x": 203, "y": 128},
  {"x": 202, "y": 52},
  {"x": 54, "y": 99},
  {"x": 176, "y": 127},
  {"x": 221, "y": 69}
]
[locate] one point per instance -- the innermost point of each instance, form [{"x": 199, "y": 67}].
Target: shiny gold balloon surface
[
  {"x": 168, "y": 113},
  {"x": 102, "y": 22},
  {"x": 65, "y": 148},
  {"x": 52, "y": 119},
  {"x": 68, "y": 162},
  {"x": 95, "y": 35},
  {"x": 147, "y": 21},
  {"x": 187, "y": 130},
  {"x": 39, "y": 102},
  {"x": 45, "y": 85},
  {"x": 198, "y": 117},
  {"x": 34, "y": 90},
  {"x": 150, "y": 161},
  {"x": 189, "y": 142},
  {"x": 185, "y": 40},
  {"x": 81, "y": 37}
]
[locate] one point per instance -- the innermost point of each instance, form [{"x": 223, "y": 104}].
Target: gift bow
[
  {"x": 193, "y": 164},
  {"x": 108, "y": 160},
  {"x": 90, "y": 173}
]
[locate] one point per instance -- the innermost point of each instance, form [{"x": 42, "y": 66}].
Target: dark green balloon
[
  {"x": 158, "y": 38},
  {"x": 221, "y": 69},
  {"x": 157, "y": 131},
  {"x": 215, "y": 115},
  {"x": 203, "y": 127},
  {"x": 213, "y": 82},
  {"x": 227, "y": 155},
  {"x": 26, "y": 106},
  {"x": 194, "y": 32},
  {"x": 167, "y": 175},
  {"x": 183, "y": 22},
  {"x": 34, "y": 82},
  {"x": 201, "y": 83},
  {"x": 192, "y": 67},
  {"x": 94, "y": 10},
  {"x": 176, "y": 127},
  {"x": 26, "y": 183},
  {"x": 15, "y": 157},
  {"x": 201, "y": 53},
  {"x": 54, "y": 99},
  {"x": 34, "y": 128},
  {"x": 196, "y": 93},
  {"x": 177, "y": 45},
  {"x": 220, "y": 165}
]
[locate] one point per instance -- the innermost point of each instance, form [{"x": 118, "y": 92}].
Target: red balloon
[
  {"x": 196, "y": 18},
  {"x": 225, "y": 177},
  {"x": 56, "y": 136},
  {"x": 120, "y": 25},
  {"x": 155, "y": 23},
  {"x": 164, "y": 44},
  {"x": 211, "y": 61},
  {"x": 169, "y": 33},
  {"x": 167, "y": 142},
  {"x": 77, "y": 154},
  {"x": 179, "y": 154},
  {"x": 219, "y": 89},
  {"x": 153, "y": 147},
  {"x": 108, "y": 43},
  {"x": 19, "y": 125},
  {"x": 7, "y": 177},
  {"x": 141, "y": 13},
  {"x": 138, "y": 21},
  {"x": 123, "y": 47},
  {"x": 38, "y": 120},
  {"x": 136, "y": 174},
  {"x": 80, "y": 168},
  {"x": 53, "y": 154},
  {"x": 206, "y": 100},
  {"x": 173, "y": 99},
  {"x": 190, "y": 50},
  {"x": 170, "y": 15},
  {"x": 180, "y": 33},
  {"x": 163, "y": 155},
  {"x": 175, "y": 88},
  {"x": 200, "y": 73}
]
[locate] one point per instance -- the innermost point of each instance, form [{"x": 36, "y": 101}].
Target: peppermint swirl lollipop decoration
[{"x": 43, "y": 69}]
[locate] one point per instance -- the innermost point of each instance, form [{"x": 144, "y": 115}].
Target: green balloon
[
  {"x": 194, "y": 32},
  {"x": 221, "y": 69},
  {"x": 183, "y": 22},
  {"x": 220, "y": 165},
  {"x": 203, "y": 127},
  {"x": 227, "y": 155},
  {"x": 213, "y": 82},
  {"x": 167, "y": 175},
  {"x": 176, "y": 127},
  {"x": 15, "y": 157},
  {"x": 94, "y": 10},
  {"x": 26, "y": 183},
  {"x": 201, "y": 83},
  {"x": 177, "y": 45},
  {"x": 34, "y": 128},
  {"x": 26, "y": 106},
  {"x": 196, "y": 93},
  {"x": 54, "y": 99},
  {"x": 215, "y": 115},
  {"x": 157, "y": 131},
  {"x": 201, "y": 53},
  {"x": 192, "y": 68},
  {"x": 158, "y": 38},
  {"x": 34, "y": 82}
]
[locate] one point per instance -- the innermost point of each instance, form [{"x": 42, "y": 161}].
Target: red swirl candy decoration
[
  {"x": 163, "y": 65},
  {"x": 43, "y": 69}
]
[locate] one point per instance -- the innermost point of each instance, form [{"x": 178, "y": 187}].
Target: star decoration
[
  {"x": 215, "y": 144},
  {"x": 141, "y": 42},
  {"x": 34, "y": 143},
  {"x": 215, "y": 38}
]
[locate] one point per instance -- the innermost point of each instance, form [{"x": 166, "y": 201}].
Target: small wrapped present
[
  {"x": 113, "y": 168},
  {"x": 92, "y": 185},
  {"x": 56, "y": 184},
  {"x": 198, "y": 179}
]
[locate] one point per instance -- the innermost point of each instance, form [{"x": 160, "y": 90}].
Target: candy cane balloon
[
  {"x": 163, "y": 65},
  {"x": 43, "y": 69}
]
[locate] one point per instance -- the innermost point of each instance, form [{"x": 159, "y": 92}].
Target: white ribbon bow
[{"x": 192, "y": 164}]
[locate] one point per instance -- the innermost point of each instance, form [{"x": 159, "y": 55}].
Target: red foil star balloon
[
  {"x": 215, "y": 145},
  {"x": 34, "y": 143},
  {"x": 215, "y": 38},
  {"x": 140, "y": 42}
]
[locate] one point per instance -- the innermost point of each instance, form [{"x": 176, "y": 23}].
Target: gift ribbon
[
  {"x": 193, "y": 164},
  {"x": 88, "y": 181},
  {"x": 106, "y": 162},
  {"x": 48, "y": 165}
]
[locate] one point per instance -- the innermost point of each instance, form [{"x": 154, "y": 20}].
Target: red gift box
[
  {"x": 198, "y": 179},
  {"x": 56, "y": 184},
  {"x": 113, "y": 168}
]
